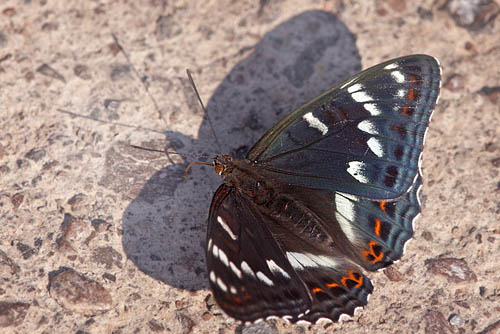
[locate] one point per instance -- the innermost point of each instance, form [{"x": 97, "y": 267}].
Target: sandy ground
[{"x": 99, "y": 237}]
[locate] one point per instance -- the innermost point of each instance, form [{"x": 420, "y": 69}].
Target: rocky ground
[{"x": 97, "y": 236}]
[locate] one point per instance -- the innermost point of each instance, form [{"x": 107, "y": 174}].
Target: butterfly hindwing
[
  {"x": 378, "y": 230},
  {"x": 337, "y": 288},
  {"x": 256, "y": 274},
  {"x": 370, "y": 233},
  {"x": 248, "y": 273},
  {"x": 363, "y": 137}
]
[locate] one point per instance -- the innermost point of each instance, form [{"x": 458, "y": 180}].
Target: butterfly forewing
[{"x": 363, "y": 137}]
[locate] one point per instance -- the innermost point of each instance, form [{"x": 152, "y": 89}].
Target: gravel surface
[{"x": 98, "y": 236}]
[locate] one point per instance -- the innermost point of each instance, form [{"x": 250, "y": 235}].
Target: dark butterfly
[{"x": 330, "y": 189}]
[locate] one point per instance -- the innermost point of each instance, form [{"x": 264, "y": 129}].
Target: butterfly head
[{"x": 223, "y": 165}]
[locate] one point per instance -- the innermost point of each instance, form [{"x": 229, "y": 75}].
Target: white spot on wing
[
  {"x": 345, "y": 207},
  {"x": 314, "y": 122},
  {"x": 398, "y": 76},
  {"x": 414, "y": 180},
  {"x": 357, "y": 169},
  {"x": 344, "y": 317},
  {"x": 401, "y": 93},
  {"x": 345, "y": 212},
  {"x": 404, "y": 248},
  {"x": 223, "y": 257},
  {"x": 355, "y": 88},
  {"x": 246, "y": 269},
  {"x": 221, "y": 285},
  {"x": 233, "y": 290},
  {"x": 293, "y": 259},
  {"x": 215, "y": 251},
  {"x": 368, "y": 127},
  {"x": 349, "y": 196},
  {"x": 425, "y": 133},
  {"x": 361, "y": 97},
  {"x": 358, "y": 310},
  {"x": 420, "y": 163},
  {"x": 439, "y": 65},
  {"x": 209, "y": 244},
  {"x": 418, "y": 195},
  {"x": 440, "y": 81},
  {"x": 391, "y": 66},
  {"x": 302, "y": 260},
  {"x": 372, "y": 109},
  {"x": 376, "y": 147},
  {"x": 212, "y": 277},
  {"x": 235, "y": 269},
  {"x": 264, "y": 278},
  {"x": 226, "y": 227},
  {"x": 324, "y": 321},
  {"x": 417, "y": 216},
  {"x": 274, "y": 268}
]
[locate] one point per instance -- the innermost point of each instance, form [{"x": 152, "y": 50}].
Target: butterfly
[{"x": 329, "y": 192}]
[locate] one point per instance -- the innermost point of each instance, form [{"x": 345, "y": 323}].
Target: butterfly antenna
[
  {"x": 204, "y": 109},
  {"x": 186, "y": 171}
]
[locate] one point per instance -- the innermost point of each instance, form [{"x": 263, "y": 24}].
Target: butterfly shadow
[{"x": 164, "y": 227}]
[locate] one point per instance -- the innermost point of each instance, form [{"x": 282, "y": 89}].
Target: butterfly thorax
[{"x": 241, "y": 175}]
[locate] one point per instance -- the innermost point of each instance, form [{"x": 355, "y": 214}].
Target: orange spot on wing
[
  {"x": 405, "y": 110},
  {"x": 412, "y": 78},
  {"x": 237, "y": 299},
  {"x": 371, "y": 253},
  {"x": 411, "y": 94},
  {"x": 382, "y": 205},
  {"x": 332, "y": 285},
  {"x": 352, "y": 277},
  {"x": 378, "y": 224},
  {"x": 316, "y": 290}
]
